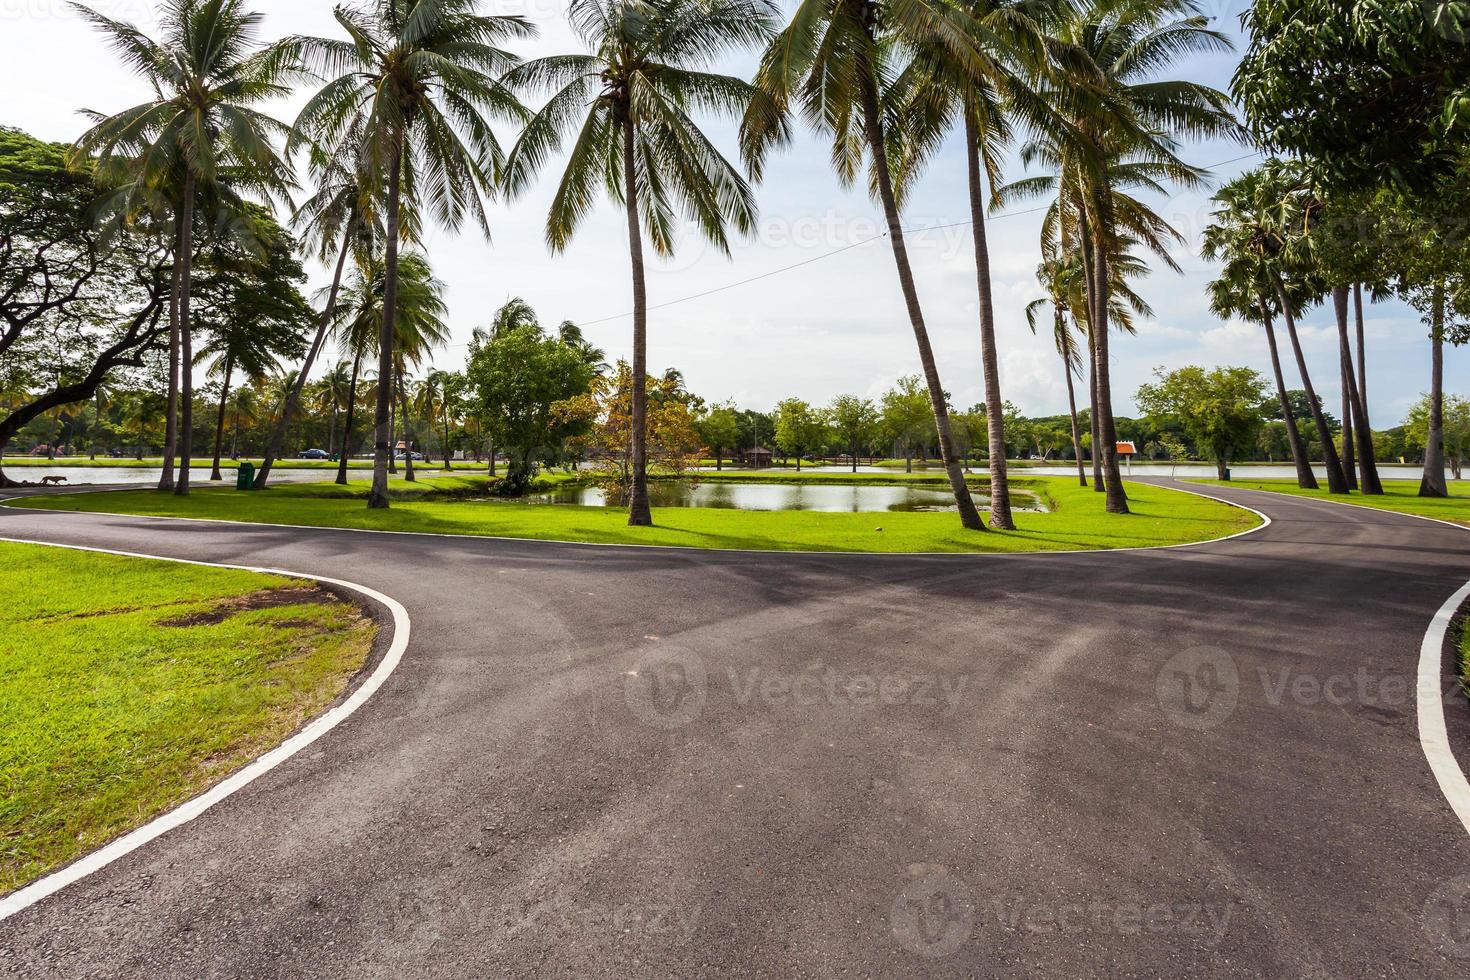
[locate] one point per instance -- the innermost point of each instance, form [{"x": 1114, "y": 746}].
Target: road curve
[{"x": 602, "y": 761}]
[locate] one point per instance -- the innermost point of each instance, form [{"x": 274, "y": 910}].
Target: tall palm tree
[
  {"x": 834, "y": 63},
  {"x": 1061, "y": 278},
  {"x": 629, "y": 100},
  {"x": 418, "y": 324},
  {"x": 1114, "y": 125},
  {"x": 1246, "y": 289},
  {"x": 334, "y": 389},
  {"x": 340, "y": 211},
  {"x": 939, "y": 93},
  {"x": 234, "y": 348},
  {"x": 414, "y": 87},
  {"x": 434, "y": 400},
  {"x": 208, "y": 73}
]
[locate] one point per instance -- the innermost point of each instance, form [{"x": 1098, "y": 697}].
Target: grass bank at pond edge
[
  {"x": 1401, "y": 496},
  {"x": 1077, "y": 521},
  {"x": 129, "y": 685}
]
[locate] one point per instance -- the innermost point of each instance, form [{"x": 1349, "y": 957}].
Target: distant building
[{"x": 758, "y": 458}]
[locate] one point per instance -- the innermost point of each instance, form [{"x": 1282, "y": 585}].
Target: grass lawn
[
  {"x": 1398, "y": 495},
  {"x": 225, "y": 464},
  {"x": 1076, "y": 521},
  {"x": 129, "y": 685}
]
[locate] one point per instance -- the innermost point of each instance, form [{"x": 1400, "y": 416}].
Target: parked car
[
  {"x": 315, "y": 454},
  {"x": 400, "y": 454}
]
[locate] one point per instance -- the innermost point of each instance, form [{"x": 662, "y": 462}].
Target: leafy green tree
[
  {"x": 1371, "y": 91},
  {"x": 74, "y": 309},
  {"x": 720, "y": 430},
  {"x": 906, "y": 414},
  {"x": 1454, "y": 429},
  {"x": 1220, "y": 408},
  {"x": 854, "y": 424},
  {"x": 629, "y": 100},
  {"x": 415, "y": 86},
  {"x": 199, "y": 140},
  {"x": 517, "y": 380},
  {"x": 799, "y": 428}
]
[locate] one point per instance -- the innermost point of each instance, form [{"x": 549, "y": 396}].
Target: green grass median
[
  {"x": 1401, "y": 496},
  {"x": 1076, "y": 519},
  {"x": 129, "y": 685}
]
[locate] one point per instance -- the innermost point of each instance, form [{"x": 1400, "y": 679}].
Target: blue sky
[{"x": 833, "y": 325}]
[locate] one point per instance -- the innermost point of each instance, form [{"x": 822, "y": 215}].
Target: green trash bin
[{"x": 245, "y": 476}]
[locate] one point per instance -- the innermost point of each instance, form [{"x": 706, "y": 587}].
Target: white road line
[
  {"x": 31, "y": 894},
  {"x": 1434, "y": 736}
]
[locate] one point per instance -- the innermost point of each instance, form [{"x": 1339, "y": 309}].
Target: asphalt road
[{"x": 601, "y": 761}]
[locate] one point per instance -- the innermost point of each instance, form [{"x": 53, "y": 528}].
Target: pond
[
  {"x": 84, "y": 475},
  {"x": 832, "y": 498}
]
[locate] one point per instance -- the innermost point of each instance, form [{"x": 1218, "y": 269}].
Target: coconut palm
[
  {"x": 1245, "y": 288},
  {"x": 1115, "y": 125},
  {"x": 413, "y": 88},
  {"x": 434, "y": 400},
  {"x": 200, "y": 131},
  {"x": 419, "y": 325},
  {"x": 834, "y": 63},
  {"x": 234, "y": 348},
  {"x": 1061, "y": 278},
  {"x": 629, "y": 101},
  {"x": 333, "y": 391},
  {"x": 938, "y": 94}
]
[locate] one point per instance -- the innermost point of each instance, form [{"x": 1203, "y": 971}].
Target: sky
[{"x": 823, "y": 315}]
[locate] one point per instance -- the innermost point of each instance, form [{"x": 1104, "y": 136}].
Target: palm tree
[
  {"x": 1061, "y": 280},
  {"x": 200, "y": 131},
  {"x": 333, "y": 392},
  {"x": 413, "y": 88},
  {"x": 433, "y": 399},
  {"x": 1114, "y": 125},
  {"x": 629, "y": 101},
  {"x": 235, "y": 347},
  {"x": 834, "y": 63},
  {"x": 418, "y": 324},
  {"x": 1246, "y": 289},
  {"x": 937, "y": 93}
]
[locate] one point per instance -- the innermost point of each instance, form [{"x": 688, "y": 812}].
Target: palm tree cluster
[{"x": 402, "y": 129}]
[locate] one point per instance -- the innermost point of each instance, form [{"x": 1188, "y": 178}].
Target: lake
[{"x": 831, "y": 498}]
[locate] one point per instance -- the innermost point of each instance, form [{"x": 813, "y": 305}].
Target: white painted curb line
[
  {"x": 31, "y": 894},
  {"x": 1434, "y": 736}
]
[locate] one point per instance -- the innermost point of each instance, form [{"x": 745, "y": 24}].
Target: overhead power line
[{"x": 845, "y": 248}]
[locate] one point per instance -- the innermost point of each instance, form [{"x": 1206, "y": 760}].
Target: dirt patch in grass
[{"x": 223, "y": 609}]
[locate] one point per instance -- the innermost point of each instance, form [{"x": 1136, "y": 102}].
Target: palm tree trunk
[
  {"x": 1000, "y": 494},
  {"x": 1117, "y": 497},
  {"x": 332, "y": 427},
  {"x": 219, "y": 419},
  {"x": 1432, "y": 484},
  {"x": 444, "y": 416},
  {"x": 186, "y": 341},
  {"x": 1345, "y": 367},
  {"x": 1362, "y": 355},
  {"x": 170, "y": 422},
  {"x": 1098, "y": 484},
  {"x": 347, "y": 422},
  {"x": 1072, "y": 414},
  {"x": 293, "y": 398},
  {"x": 383, "y": 413},
  {"x": 1336, "y": 482},
  {"x": 407, "y": 432},
  {"x": 638, "y": 511},
  {"x": 969, "y": 516},
  {"x": 1353, "y": 399},
  {"x": 1305, "y": 478}
]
